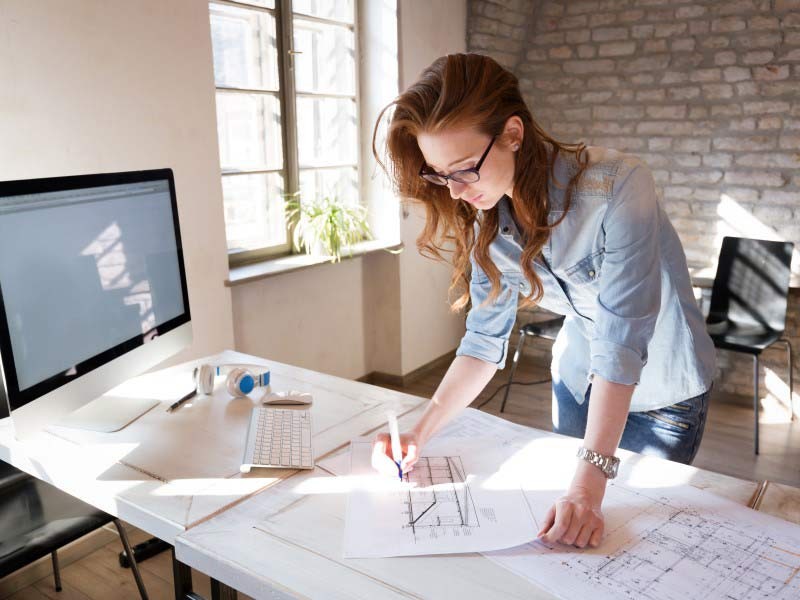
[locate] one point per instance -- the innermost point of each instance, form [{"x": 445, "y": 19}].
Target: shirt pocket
[{"x": 587, "y": 270}]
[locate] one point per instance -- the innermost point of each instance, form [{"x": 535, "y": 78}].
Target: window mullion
[{"x": 287, "y": 95}]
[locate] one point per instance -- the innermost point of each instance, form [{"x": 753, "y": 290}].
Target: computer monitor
[{"x": 92, "y": 293}]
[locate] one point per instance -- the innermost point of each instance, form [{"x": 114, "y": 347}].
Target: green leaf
[{"x": 326, "y": 223}]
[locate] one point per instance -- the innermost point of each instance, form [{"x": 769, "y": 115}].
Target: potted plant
[{"x": 325, "y": 226}]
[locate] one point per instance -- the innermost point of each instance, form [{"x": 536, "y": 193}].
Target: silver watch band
[{"x": 609, "y": 465}]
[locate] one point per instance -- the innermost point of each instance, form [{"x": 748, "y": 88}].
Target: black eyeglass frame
[{"x": 454, "y": 176}]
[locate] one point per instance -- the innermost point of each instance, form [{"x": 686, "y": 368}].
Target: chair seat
[
  {"x": 548, "y": 328},
  {"x": 36, "y": 518},
  {"x": 742, "y": 337}
]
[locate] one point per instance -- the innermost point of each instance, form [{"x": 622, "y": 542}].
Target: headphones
[{"x": 241, "y": 379}]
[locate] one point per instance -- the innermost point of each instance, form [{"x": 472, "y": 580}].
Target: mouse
[{"x": 291, "y": 397}]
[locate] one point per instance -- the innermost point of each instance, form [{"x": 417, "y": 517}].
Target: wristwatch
[{"x": 609, "y": 465}]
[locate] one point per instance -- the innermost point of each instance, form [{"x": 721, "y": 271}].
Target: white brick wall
[{"x": 707, "y": 93}]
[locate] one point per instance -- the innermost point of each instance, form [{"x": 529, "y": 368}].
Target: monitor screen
[{"x": 90, "y": 268}]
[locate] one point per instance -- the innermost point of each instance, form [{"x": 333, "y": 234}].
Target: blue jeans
[{"x": 673, "y": 432}]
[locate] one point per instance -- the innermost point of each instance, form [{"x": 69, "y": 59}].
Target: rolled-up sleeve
[
  {"x": 629, "y": 296},
  {"x": 489, "y": 324}
]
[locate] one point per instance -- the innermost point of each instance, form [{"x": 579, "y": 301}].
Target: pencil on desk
[{"x": 177, "y": 403}]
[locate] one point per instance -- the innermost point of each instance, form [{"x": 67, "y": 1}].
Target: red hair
[{"x": 471, "y": 90}]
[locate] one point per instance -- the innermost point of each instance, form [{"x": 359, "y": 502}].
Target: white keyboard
[{"x": 279, "y": 438}]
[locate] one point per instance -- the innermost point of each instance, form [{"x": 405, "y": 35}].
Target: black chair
[
  {"x": 747, "y": 312},
  {"x": 36, "y": 519},
  {"x": 547, "y": 328}
]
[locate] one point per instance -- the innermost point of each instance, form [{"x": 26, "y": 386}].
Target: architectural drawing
[
  {"x": 442, "y": 506},
  {"x": 689, "y": 546},
  {"x": 439, "y": 497}
]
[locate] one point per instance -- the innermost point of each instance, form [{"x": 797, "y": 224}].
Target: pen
[
  {"x": 177, "y": 403},
  {"x": 397, "y": 451}
]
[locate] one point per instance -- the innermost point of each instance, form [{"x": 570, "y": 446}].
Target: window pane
[
  {"x": 254, "y": 211},
  {"x": 249, "y": 130},
  {"x": 337, "y": 10},
  {"x": 245, "y": 48},
  {"x": 326, "y": 131},
  {"x": 338, "y": 183},
  {"x": 264, "y": 3},
  {"x": 327, "y": 62}
]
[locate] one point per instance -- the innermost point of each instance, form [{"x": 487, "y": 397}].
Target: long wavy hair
[{"x": 472, "y": 90}]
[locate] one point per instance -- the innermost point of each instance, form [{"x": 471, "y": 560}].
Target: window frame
[{"x": 287, "y": 95}]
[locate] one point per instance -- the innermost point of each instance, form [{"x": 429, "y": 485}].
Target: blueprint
[
  {"x": 664, "y": 539},
  {"x": 676, "y": 543},
  {"x": 442, "y": 506}
]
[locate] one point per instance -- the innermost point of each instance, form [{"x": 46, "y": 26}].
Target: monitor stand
[{"x": 108, "y": 413}]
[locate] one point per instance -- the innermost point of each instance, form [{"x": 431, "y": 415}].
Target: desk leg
[
  {"x": 220, "y": 591},
  {"x": 182, "y": 578}
]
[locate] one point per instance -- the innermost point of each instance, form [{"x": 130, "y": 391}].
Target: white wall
[
  {"x": 428, "y": 328},
  {"x": 91, "y": 86},
  {"x": 310, "y": 318}
]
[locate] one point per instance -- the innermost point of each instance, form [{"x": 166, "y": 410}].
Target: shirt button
[
  {"x": 591, "y": 273},
  {"x": 505, "y": 229}
]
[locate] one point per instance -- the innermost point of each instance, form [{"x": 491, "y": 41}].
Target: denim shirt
[{"x": 616, "y": 268}]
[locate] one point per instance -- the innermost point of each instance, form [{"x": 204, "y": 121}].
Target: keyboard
[{"x": 279, "y": 438}]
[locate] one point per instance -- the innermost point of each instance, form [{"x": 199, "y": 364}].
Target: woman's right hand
[{"x": 382, "y": 460}]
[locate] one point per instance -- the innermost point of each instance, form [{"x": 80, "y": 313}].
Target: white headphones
[{"x": 241, "y": 380}]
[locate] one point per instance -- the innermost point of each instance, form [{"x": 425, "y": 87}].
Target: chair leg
[
  {"x": 517, "y": 353},
  {"x": 134, "y": 566},
  {"x": 56, "y": 570},
  {"x": 791, "y": 376},
  {"x": 755, "y": 400}
]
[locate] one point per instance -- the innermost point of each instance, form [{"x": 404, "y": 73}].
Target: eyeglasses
[{"x": 461, "y": 176}]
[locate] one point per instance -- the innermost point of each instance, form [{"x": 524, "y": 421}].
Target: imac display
[{"x": 92, "y": 292}]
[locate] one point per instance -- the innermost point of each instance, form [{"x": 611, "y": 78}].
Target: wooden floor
[
  {"x": 98, "y": 576},
  {"x": 727, "y": 447}
]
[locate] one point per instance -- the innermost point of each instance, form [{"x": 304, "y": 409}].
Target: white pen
[{"x": 397, "y": 450}]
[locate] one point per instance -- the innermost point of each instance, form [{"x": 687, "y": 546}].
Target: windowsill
[{"x": 295, "y": 262}]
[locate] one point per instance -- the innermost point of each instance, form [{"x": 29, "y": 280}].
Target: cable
[{"x": 505, "y": 385}]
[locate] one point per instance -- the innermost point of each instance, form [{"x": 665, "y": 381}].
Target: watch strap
[{"x": 609, "y": 465}]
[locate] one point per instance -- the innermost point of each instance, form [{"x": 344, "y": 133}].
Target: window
[{"x": 287, "y": 113}]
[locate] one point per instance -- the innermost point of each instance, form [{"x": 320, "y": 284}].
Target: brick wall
[{"x": 707, "y": 93}]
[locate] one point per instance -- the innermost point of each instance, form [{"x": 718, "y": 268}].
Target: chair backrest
[{"x": 752, "y": 282}]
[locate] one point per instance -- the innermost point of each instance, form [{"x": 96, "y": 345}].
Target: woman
[{"x": 576, "y": 230}]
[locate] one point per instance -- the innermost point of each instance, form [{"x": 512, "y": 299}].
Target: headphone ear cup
[
  {"x": 240, "y": 382},
  {"x": 204, "y": 379}
]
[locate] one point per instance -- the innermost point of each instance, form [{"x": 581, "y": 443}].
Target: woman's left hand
[{"x": 576, "y": 519}]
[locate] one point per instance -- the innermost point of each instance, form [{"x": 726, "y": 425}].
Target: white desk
[
  {"x": 166, "y": 471},
  {"x": 289, "y": 539},
  {"x": 176, "y": 476}
]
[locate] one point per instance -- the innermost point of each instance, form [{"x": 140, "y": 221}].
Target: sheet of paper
[
  {"x": 470, "y": 423},
  {"x": 443, "y": 506},
  {"x": 473, "y": 423},
  {"x": 671, "y": 543}
]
